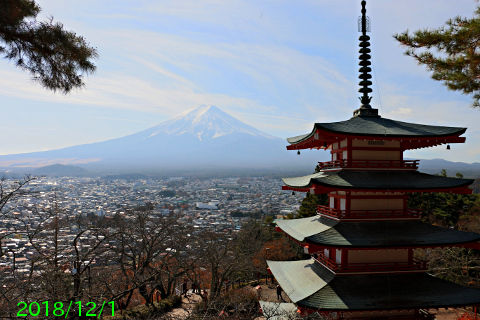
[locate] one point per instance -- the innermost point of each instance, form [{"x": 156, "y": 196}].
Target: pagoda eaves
[
  {"x": 376, "y": 181},
  {"x": 320, "y": 232},
  {"x": 410, "y": 135},
  {"x": 312, "y": 286}
]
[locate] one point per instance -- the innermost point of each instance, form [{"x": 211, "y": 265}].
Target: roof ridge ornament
[{"x": 365, "y": 76}]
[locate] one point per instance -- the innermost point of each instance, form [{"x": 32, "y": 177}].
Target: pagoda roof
[
  {"x": 367, "y": 292},
  {"x": 300, "y": 279},
  {"x": 326, "y": 232},
  {"x": 380, "y": 127},
  {"x": 327, "y": 181}
]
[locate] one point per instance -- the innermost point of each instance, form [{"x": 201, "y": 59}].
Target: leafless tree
[
  {"x": 151, "y": 255},
  {"x": 11, "y": 191},
  {"x": 61, "y": 262},
  {"x": 458, "y": 265}
]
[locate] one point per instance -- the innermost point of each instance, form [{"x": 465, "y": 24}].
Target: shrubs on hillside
[{"x": 237, "y": 303}]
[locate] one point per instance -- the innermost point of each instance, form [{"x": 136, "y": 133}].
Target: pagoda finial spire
[{"x": 365, "y": 76}]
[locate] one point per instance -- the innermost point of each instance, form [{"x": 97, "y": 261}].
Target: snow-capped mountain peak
[
  {"x": 205, "y": 122},
  {"x": 203, "y": 137}
]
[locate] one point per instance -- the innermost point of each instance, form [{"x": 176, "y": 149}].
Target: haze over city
[{"x": 277, "y": 66}]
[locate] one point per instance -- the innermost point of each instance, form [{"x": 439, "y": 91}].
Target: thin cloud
[
  {"x": 120, "y": 119},
  {"x": 276, "y": 117}
]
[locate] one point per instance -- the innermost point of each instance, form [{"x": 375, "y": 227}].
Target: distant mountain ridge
[
  {"x": 201, "y": 138},
  {"x": 433, "y": 166}
]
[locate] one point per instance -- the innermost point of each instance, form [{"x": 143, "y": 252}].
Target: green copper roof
[
  {"x": 367, "y": 292},
  {"x": 380, "y": 127},
  {"x": 388, "y": 180},
  {"x": 307, "y": 277},
  {"x": 326, "y": 232},
  {"x": 299, "y": 229},
  {"x": 391, "y": 234},
  {"x": 387, "y": 292}
]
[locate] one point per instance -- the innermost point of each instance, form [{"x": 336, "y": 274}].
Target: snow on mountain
[
  {"x": 202, "y": 137},
  {"x": 205, "y": 122}
]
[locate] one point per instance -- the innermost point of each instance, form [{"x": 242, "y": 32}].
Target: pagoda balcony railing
[
  {"x": 329, "y": 263},
  {"x": 415, "y": 264},
  {"x": 362, "y": 214},
  {"x": 371, "y": 164}
]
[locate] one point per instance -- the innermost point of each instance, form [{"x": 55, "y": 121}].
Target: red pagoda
[{"x": 362, "y": 244}]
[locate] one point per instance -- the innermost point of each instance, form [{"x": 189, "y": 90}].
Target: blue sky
[{"x": 277, "y": 65}]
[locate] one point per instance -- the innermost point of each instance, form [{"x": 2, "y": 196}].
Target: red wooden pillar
[
  {"x": 344, "y": 261},
  {"x": 333, "y": 254},
  {"x": 349, "y": 150}
]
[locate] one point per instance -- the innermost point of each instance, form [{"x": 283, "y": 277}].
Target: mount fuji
[{"x": 201, "y": 138}]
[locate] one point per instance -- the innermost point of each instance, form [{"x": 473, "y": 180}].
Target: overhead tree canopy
[
  {"x": 55, "y": 57},
  {"x": 452, "y": 52}
]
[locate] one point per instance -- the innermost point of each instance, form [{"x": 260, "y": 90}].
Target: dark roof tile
[
  {"x": 387, "y": 180},
  {"x": 367, "y": 292},
  {"x": 387, "y": 292},
  {"x": 326, "y": 232},
  {"x": 380, "y": 127}
]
